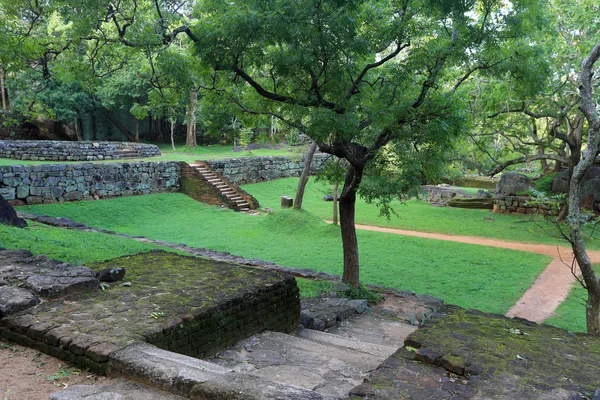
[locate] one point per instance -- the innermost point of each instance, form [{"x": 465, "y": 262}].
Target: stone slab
[{"x": 122, "y": 390}]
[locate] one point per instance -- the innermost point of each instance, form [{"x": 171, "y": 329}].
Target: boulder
[
  {"x": 590, "y": 188},
  {"x": 8, "y": 215},
  {"x": 512, "y": 183},
  {"x": 483, "y": 194}
]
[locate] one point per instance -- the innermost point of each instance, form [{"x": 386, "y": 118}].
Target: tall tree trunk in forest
[
  {"x": 347, "y": 212},
  {"x": 335, "y": 203},
  {"x": 137, "y": 130},
  {"x": 304, "y": 176},
  {"x": 575, "y": 219},
  {"x": 2, "y": 88},
  {"x": 191, "y": 119},
  {"x": 173, "y": 134},
  {"x": 77, "y": 131}
]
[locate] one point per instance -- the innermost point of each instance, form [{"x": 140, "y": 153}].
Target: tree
[
  {"x": 304, "y": 175},
  {"x": 538, "y": 118},
  {"x": 575, "y": 218},
  {"x": 372, "y": 82}
]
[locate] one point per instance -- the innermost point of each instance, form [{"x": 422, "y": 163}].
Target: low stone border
[{"x": 58, "y": 150}]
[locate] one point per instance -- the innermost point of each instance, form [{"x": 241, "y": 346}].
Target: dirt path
[{"x": 546, "y": 293}]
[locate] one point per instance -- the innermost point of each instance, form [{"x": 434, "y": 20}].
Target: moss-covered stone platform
[
  {"x": 183, "y": 304},
  {"x": 466, "y": 354}
]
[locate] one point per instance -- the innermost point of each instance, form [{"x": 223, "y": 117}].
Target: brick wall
[{"x": 274, "y": 307}]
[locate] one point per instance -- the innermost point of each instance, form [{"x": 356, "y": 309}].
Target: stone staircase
[
  {"x": 231, "y": 194},
  {"x": 127, "y": 153},
  {"x": 305, "y": 365}
]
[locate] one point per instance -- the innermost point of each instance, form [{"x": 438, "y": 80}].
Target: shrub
[{"x": 544, "y": 184}]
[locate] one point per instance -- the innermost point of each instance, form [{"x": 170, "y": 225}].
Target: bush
[{"x": 544, "y": 184}]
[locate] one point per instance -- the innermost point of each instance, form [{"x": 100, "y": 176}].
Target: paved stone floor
[{"x": 164, "y": 295}]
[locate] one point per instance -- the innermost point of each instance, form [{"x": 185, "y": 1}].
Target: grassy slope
[
  {"x": 70, "y": 246},
  {"x": 467, "y": 275},
  {"x": 416, "y": 215},
  {"x": 181, "y": 154}
]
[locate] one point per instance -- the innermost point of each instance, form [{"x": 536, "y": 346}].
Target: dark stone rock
[
  {"x": 8, "y": 215},
  {"x": 512, "y": 183},
  {"x": 483, "y": 194},
  {"x": 56, "y": 286},
  {"x": 110, "y": 274},
  {"x": 15, "y": 299}
]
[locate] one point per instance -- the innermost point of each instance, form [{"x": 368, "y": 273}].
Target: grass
[
  {"x": 570, "y": 314},
  {"x": 181, "y": 154},
  {"x": 418, "y": 215},
  {"x": 74, "y": 247},
  {"x": 467, "y": 275}
]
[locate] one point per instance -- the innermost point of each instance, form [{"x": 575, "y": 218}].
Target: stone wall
[
  {"x": 519, "y": 205},
  {"x": 35, "y": 184},
  {"x": 257, "y": 169},
  {"x": 53, "y": 150},
  {"x": 274, "y": 307}
]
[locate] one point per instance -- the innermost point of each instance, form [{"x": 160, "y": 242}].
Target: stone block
[{"x": 287, "y": 202}]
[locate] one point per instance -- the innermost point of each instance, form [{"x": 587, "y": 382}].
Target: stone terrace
[
  {"x": 182, "y": 304},
  {"x": 467, "y": 354}
]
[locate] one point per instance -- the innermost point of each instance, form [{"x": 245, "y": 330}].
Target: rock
[
  {"x": 56, "y": 286},
  {"x": 15, "y": 299},
  {"x": 512, "y": 183},
  {"x": 590, "y": 187},
  {"x": 329, "y": 197},
  {"x": 483, "y": 194},
  {"x": 8, "y": 215},
  {"x": 110, "y": 274}
]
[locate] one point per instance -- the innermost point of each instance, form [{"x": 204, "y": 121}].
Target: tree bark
[
  {"x": 348, "y": 229},
  {"x": 575, "y": 219},
  {"x": 2, "y": 88},
  {"x": 191, "y": 118},
  {"x": 304, "y": 176},
  {"x": 335, "y": 203},
  {"x": 137, "y": 130},
  {"x": 173, "y": 134}
]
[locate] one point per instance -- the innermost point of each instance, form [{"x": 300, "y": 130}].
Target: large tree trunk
[
  {"x": 347, "y": 212},
  {"x": 304, "y": 176},
  {"x": 575, "y": 219},
  {"x": 335, "y": 203},
  {"x": 191, "y": 118},
  {"x": 2, "y": 88}
]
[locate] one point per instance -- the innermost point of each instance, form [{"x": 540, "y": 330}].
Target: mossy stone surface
[
  {"x": 469, "y": 354},
  {"x": 181, "y": 303}
]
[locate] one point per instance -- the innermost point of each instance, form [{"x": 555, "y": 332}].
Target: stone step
[
  {"x": 244, "y": 209},
  {"x": 197, "y": 379},
  {"x": 119, "y": 390},
  {"x": 350, "y": 343},
  {"x": 328, "y": 369},
  {"x": 241, "y": 203},
  {"x": 374, "y": 328}
]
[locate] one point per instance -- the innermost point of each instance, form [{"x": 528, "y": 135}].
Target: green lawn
[
  {"x": 181, "y": 154},
  {"x": 467, "y": 275},
  {"x": 417, "y": 215},
  {"x": 74, "y": 247}
]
